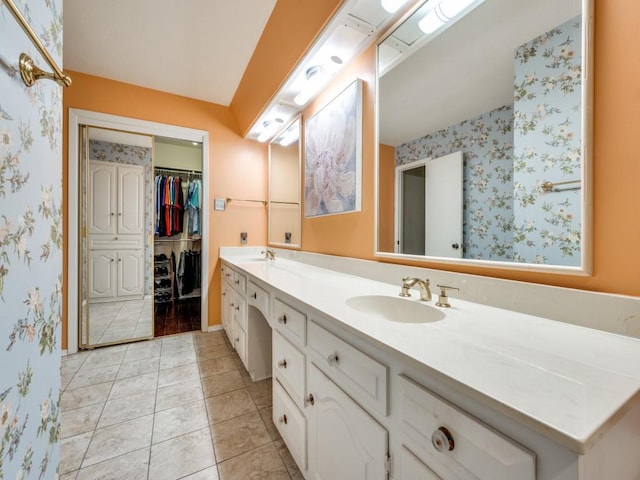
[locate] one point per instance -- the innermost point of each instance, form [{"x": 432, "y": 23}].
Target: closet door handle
[
  {"x": 112, "y": 214},
  {"x": 119, "y": 214}
]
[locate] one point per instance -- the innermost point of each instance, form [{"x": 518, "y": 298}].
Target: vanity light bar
[{"x": 444, "y": 13}]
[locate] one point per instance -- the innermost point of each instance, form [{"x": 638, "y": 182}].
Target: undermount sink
[{"x": 396, "y": 309}]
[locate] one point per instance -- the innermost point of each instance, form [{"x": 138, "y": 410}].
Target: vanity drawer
[
  {"x": 411, "y": 468},
  {"x": 240, "y": 342},
  {"x": 289, "y": 367},
  {"x": 290, "y": 322},
  {"x": 455, "y": 445},
  {"x": 291, "y": 424},
  {"x": 239, "y": 310},
  {"x": 239, "y": 282},
  {"x": 258, "y": 297},
  {"x": 357, "y": 373},
  {"x": 227, "y": 273}
]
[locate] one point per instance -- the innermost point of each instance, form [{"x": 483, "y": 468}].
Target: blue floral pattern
[
  {"x": 509, "y": 152},
  {"x": 547, "y": 139},
  {"x": 30, "y": 251},
  {"x": 486, "y": 143}
]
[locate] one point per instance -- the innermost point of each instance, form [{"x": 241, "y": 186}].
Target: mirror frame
[
  {"x": 586, "y": 253},
  {"x": 297, "y": 246}
]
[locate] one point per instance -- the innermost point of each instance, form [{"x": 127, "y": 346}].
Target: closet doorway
[
  {"x": 103, "y": 275},
  {"x": 178, "y": 236}
]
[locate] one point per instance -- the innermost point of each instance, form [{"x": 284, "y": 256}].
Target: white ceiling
[
  {"x": 196, "y": 48},
  {"x": 465, "y": 71}
]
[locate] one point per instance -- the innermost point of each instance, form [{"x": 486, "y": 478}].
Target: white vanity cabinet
[
  {"x": 350, "y": 406},
  {"x": 345, "y": 442}
]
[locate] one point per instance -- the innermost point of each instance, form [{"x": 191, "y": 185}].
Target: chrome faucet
[
  {"x": 269, "y": 254},
  {"x": 425, "y": 291}
]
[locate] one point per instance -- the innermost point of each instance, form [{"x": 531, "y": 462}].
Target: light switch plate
[{"x": 219, "y": 204}]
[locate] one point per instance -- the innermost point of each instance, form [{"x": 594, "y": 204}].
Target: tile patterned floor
[
  {"x": 120, "y": 320},
  {"x": 176, "y": 407}
]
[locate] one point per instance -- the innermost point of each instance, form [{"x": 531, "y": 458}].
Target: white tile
[
  {"x": 177, "y": 359},
  {"x": 83, "y": 396},
  {"x": 130, "y": 466},
  {"x": 116, "y": 440},
  {"x": 127, "y": 408},
  {"x": 181, "y": 374},
  {"x": 178, "y": 394},
  {"x": 182, "y": 456},
  {"x": 179, "y": 420},
  {"x": 72, "y": 450},
  {"x": 93, "y": 376},
  {"x": 138, "y": 367},
  {"x": 210, "y": 473},
  {"x": 79, "y": 420},
  {"x": 133, "y": 385}
]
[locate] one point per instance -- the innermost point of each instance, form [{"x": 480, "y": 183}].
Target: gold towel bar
[
  {"x": 551, "y": 186},
  {"x": 229, "y": 200},
  {"x": 28, "y": 69}
]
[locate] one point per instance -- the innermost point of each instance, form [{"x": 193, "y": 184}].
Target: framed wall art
[{"x": 333, "y": 155}]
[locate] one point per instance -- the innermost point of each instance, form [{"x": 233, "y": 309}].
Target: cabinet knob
[
  {"x": 232, "y": 304},
  {"x": 282, "y": 363},
  {"x": 237, "y": 282},
  {"x": 309, "y": 400},
  {"x": 227, "y": 274},
  {"x": 238, "y": 307},
  {"x": 119, "y": 214},
  {"x": 112, "y": 214},
  {"x": 237, "y": 339},
  {"x": 332, "y": 359},
  {"x": 255, "y": 295},
  {"x": 115, "y": 238},
  {"x": 224, "y": 294},
  {"x": 282, "y": 319},
  {"x": 283, "y": 419},
  {"x": 442, "y": 440},
  {"x": 111, "y": 260},
  {"x": 119, "y": 259}
]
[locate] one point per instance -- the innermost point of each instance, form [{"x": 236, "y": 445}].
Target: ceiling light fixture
[
  {"x": 316, "y": 76},
  {"x": 444, "y": 13},
  {"x": 269, "y": 127},
  {"x": 392, "y": 6},
  {"x": 291, "y": 135}
]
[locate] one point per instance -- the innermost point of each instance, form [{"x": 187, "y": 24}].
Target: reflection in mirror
[
  {"x": 284, "y": 187},
  {"x": 502, "y": 83},
  {"x": 117, "y": 221}
]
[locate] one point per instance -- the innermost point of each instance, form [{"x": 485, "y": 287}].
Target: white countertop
[{"x": 567, "y": 382}]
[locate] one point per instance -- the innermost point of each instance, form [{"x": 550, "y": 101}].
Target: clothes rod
[
  {"x": 552, "y": 186},
  {"x": 229, "y": 200},
  {"x": 158, "y": 240},
  {"x": 29, "y": 71},
  {"x": 176, "y": 170}
]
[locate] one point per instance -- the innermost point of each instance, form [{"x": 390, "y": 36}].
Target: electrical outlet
[{"x": 243, "y": 238}]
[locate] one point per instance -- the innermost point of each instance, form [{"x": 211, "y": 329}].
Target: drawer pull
[
  {"x": 237, "y": 339},
  {"x": 255, "y": 295},
  {"x": 282, "y": 363},
  {"x": 227, "y": 274},
  {"x": 232, "y": 304},
  {"x": 224, "y": 294},
  {"x": 442, "y": 440},
  {"x": 308, "y": 400},
  {"x": 283, "y": 419},
  {"x": 238, "y": 307},
  {"x": 237, "y": 282},
  {"x": 332, "y": 359},
  {"x": 282, "y": 319}
]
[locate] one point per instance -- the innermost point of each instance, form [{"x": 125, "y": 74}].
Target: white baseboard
[
  {"x": 64, "y": 353},
  {"x": 214, "y": 328}
]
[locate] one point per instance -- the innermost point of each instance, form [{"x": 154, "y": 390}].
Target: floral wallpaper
[
  {"x": 547, "y": 138},
  {"x": 509, "y": 152},
  {"x": 30, "y": 250},
  {"x": 486, "y": 143},
  {"x": 132, "y": 155}
]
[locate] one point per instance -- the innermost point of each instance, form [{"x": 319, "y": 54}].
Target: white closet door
[
  {"x": 102, "y": 274},
  {"x": 101, "y": 195},
  {"x": 130, "y": 273},
  {"x": 130, "y": 199}
]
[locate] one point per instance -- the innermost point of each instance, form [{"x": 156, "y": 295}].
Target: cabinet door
[
  {"x": 130, "y": 199},
  {"x": 130, "y": 273},
  {"x": 345, "y": 442},
  {"x": 240, "y": 342},
  {"x": 102, "y": 274},
  {"x": 101, "y": 198}
]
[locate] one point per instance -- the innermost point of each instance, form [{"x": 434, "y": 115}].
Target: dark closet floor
[{"x": 179, "y": 317}]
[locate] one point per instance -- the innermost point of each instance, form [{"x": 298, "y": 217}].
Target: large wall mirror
[
  {"x": 484, "y": 132},
  {"x": 284, "y": 187}
]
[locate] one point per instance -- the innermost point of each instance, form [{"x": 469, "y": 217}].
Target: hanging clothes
[
  {"x": 192, "y": 206},
  {"x": 169, "y": 206},
  {"x": 189, "y": 273}
]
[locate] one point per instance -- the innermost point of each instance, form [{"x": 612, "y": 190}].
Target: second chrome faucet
[{"x": 408, "y": 283}]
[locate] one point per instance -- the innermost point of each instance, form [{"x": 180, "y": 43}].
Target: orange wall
[
  {"x": 292, "y": 27},
  {"x": 386, "y": 196},
  {"x": 237, "y": 167},
  {"x": 616, "y": 171}
]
